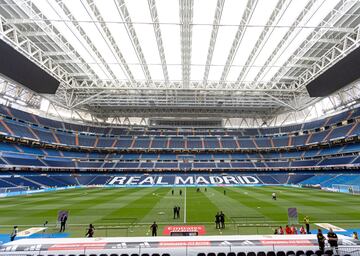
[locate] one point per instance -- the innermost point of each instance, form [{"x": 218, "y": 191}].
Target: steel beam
[
  {"x": 249, "y": 9},
  {"x": 157, "y": 31},
  {"x": 124, "y": 13},
  {"x": 186, "y": 17},
  {"x": 267, "y": 29},
  {"x": 214, "y": 32}
]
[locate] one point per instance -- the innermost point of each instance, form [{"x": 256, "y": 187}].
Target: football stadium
[{"x": 179, "y": 127}]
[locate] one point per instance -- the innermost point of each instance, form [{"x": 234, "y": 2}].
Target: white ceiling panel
[
  {"x": 223, "y": 44},
  {"x": 201, "y": 35},
  {"x": 171, "y": 39}
]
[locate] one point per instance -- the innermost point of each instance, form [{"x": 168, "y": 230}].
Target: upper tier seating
[
  {"x": 34, "y": 119},
  {"x": 19, "y": 155}
]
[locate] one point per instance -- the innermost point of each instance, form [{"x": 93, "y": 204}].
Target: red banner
[{"x": 200, "y": 229}]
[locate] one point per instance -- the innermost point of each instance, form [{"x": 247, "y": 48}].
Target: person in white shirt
[{"x": 274, "y": 196}]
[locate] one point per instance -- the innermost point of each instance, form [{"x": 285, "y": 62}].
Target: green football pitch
[{"x": 130, "y": 211}]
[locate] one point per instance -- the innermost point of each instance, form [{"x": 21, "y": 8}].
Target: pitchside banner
[{"x": 184, "y": 180}]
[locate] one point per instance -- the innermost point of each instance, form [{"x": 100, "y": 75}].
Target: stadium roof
[{"x": 195, "y": 58}]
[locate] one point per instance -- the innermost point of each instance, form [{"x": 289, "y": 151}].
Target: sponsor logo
[{"x": 200, "y": 229}]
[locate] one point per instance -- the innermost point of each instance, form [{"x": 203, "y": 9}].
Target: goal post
[{"x": 351, "y": 189}]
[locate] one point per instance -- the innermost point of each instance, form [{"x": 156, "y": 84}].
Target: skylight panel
[
  {"x": 137, "y": 72},
  {"x": 147, "y": 39},
  {"x": 233, "y": 73},
  {"x": 156, "y": 72},
  {"x": 204, "y": 11},
  {"x": 215, "y": 73},
  {"x": 200, "y": 41},
  {"x": 118, "y": 71},
  {"x": 117, "y": 29},
  {"x": 54, "y": 12},
  {"x": 232, "y": 12},
  {"x": 247, "y": 44},
  {"x": 138, "y": 10},
  {"x": 270, "y": 45},
  {"x": 251, "y": 73},
  {"x": 175, "y": 72},
  {"x": 259, "y": 18},
  {"x": 168, "y": 11},
  {"x": 99, "y": 70},
  {"x": 171, "y": 41},
  {"x": 223, "y": 44},
  {"x": 313, "y": 18},
  {"x": 197, "y": 73},
  {"x": 123, "y": 41}
]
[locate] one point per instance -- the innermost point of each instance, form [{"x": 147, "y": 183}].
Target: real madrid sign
[{"x": 179, "y": 180}]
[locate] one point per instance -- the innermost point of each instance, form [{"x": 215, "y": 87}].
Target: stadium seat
[
  {"x": 113, "y": 254},
  {"x": 231, "y": 254},
  {"x": 201, "y": 254},
  {"x": 241, "y": 254},
  {"x": 211, "y": 254},
  {"x": 165, "y": 254},
  {"x": 101, "y": 254},
  {"x": 221, "y": 254},
  {"x": 318, "y": 253},
  {"x": 309, "y": 253},
  {"x": 270, "y": 253},
  {"x": 145, "y": 254},
  {"x": 124, "y": 254},
  {"x": 329, "y": 252},
  {"x": 134, "y": 254},
  {"x": 154, "y": 254},
  {"x": 261, "y": 254},
  {"x": 288, "y": 253},
  {"x": 251, "y": 254},
  {"x": 298, "y": 253},
  {"x": 280, "y": 253}
]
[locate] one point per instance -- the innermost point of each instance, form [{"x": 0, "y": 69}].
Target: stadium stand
[{"x": 33, "y": 143}]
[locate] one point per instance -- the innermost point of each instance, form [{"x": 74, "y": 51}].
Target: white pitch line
[{"x": 185, "y": 206}]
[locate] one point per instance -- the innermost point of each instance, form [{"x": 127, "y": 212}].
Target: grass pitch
[{"x": 130, "y": 211}]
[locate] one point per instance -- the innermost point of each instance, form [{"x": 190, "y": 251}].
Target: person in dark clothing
[
  {"x": 180, "y": 192},
  {"x": 90, "y": 232},
  {"x": 154, "y": 228},
  {"x": 178, "y": 212},
  {"x": 217, "y": 221},
  {"x": 172, "y": 192},
  {"x": 14, "y": 233},
  {"x": 175, "y": 211},
  {"x": 222, "y": 220},
  {"x": 333, "y": 240},
  {"x": 205, "y": 189},
  {"x": 321, "y": 240},
  {"x": 63, "y": 222},
  {"x": 225, "y": 192}
]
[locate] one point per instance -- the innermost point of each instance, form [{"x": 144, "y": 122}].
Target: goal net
[
  {"x": 14, "y": 189},
  {"x": 352, "y": 189}
]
